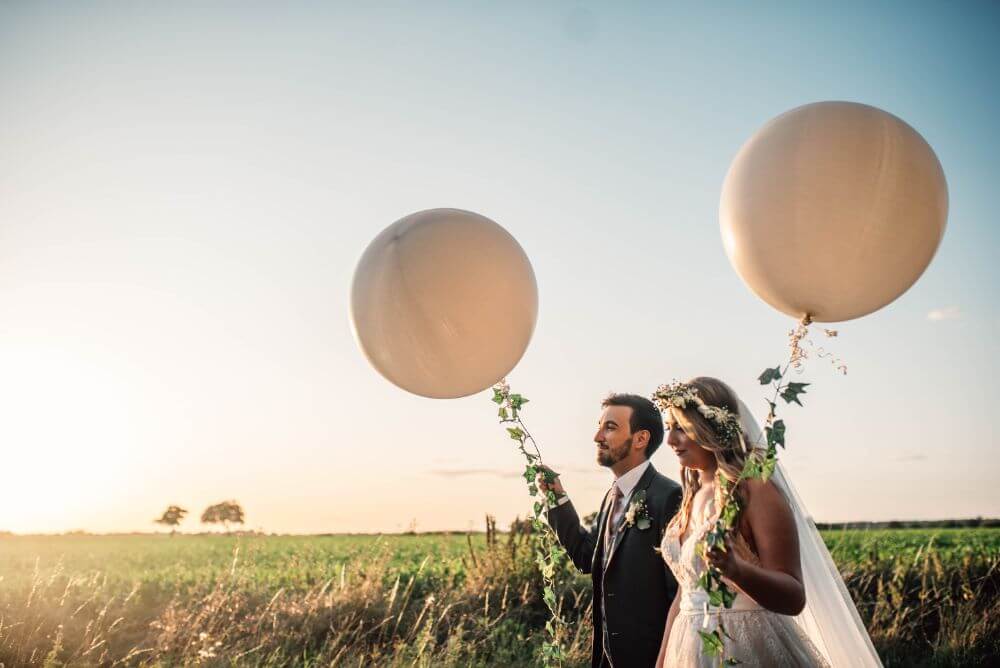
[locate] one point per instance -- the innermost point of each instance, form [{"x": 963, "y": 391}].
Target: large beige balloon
[
  {"x": 444, "y": 303},
  {"x": 833, "y": 209}
]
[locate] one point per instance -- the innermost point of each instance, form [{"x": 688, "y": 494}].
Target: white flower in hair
[{"x": 679, "y": 395}]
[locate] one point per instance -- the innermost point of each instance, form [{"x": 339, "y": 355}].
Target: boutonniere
[{"x": 638, "y": 514}]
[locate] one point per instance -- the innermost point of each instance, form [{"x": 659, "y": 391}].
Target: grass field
[{"x": 929, "y": 597}]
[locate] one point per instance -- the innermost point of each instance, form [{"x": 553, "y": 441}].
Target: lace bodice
[{"x": 687, "y": 565}]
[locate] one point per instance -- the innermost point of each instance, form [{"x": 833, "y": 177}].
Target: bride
[{"x": 791, "y": 606}]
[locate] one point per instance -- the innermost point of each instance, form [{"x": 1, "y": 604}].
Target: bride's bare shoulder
[{"x": 761, "y": 496}]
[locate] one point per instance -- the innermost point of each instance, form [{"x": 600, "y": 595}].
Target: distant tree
[
  {"x": 223, "y": 513},
  {"x": 172, "y": 516}
]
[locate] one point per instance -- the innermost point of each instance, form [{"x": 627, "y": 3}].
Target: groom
[{"x": 633, "y": 588}]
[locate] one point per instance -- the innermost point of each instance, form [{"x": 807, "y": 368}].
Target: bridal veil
[{"x": 830, "y": 618}]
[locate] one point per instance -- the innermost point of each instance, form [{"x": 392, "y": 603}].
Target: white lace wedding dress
[{"x": 755, "y": 636}]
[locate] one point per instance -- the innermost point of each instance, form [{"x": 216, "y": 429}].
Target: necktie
[{"x": 609, "y": 528}]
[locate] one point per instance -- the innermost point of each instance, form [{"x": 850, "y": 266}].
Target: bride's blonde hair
[{"x": 729, "y": 455}]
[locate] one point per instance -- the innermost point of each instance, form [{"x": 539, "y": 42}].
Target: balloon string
[
  {"x": 799, "y": 337},
  {"x": 795, "y": 338}
]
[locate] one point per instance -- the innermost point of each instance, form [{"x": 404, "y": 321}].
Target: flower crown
[{"x": 681, "y": 395}]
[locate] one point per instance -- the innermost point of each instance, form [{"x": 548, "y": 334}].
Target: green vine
[
  {"x": 550, "y": 556},
  {"x": 759, "y": 465}
]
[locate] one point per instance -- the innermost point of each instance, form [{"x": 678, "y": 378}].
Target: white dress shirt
[{"x": 626, "y": 484}]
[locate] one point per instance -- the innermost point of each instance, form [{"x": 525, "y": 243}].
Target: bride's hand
[{"x": 726, "y": 562}]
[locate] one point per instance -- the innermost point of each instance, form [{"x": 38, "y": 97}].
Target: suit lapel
[{"x": 620, "y": 528}]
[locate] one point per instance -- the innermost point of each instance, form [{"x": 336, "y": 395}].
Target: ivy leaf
[
  {"x": 550, "y": 597},
  {"x": 643, "y": 523},
  {"x": 549, "y": 476},
  {"x": 715, "y": 598},
  {"x": 730, "y": 513},
  {"x": 502, "y": 413},
  {"x": 711, "y": 643},
  {"x": 776, "y": 433},
  {"x": 792, "y": 391},
  {"x": 770, "y": 375},
  {"x": 516, "y": 401},
  {"x": 552, "y": 653},
  {"x": 768, "y": 469},
  {"x": 728, "y": 595},
  {"x": 533, "y": 489},
  {"x": 497, "y": 397},
  {"x": 530, "y": 472},
  {"x": 516, "y": 433},
  {"x": 538, "y": 507}
]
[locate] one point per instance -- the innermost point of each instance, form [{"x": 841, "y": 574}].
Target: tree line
[
  {"x": 972, "y": 523},
  {"x": 224, "y": 513}
]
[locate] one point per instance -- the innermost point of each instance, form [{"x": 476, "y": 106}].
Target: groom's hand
[{"x": 548, "y": 481}]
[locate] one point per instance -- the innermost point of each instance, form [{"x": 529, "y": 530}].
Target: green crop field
[{"x": 929, "y": 597}]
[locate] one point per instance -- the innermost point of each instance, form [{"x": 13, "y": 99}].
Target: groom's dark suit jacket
[{"x": 637, "y": 587}]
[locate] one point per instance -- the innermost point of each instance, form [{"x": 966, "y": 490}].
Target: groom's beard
[{"x": 611, "y": 456}]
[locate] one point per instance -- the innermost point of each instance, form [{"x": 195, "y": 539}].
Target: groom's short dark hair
[{"x": 645, "y": 415}]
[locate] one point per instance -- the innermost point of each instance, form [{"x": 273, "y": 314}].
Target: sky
[{"x": 185, "y": 189}]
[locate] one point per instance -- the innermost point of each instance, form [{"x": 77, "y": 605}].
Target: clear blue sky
[{"x": 184, "y": 192}]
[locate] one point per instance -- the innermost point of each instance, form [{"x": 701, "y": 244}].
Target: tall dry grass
[
  {"x": 367, "y": 613},
  {"x": 929, "y": 607}
]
